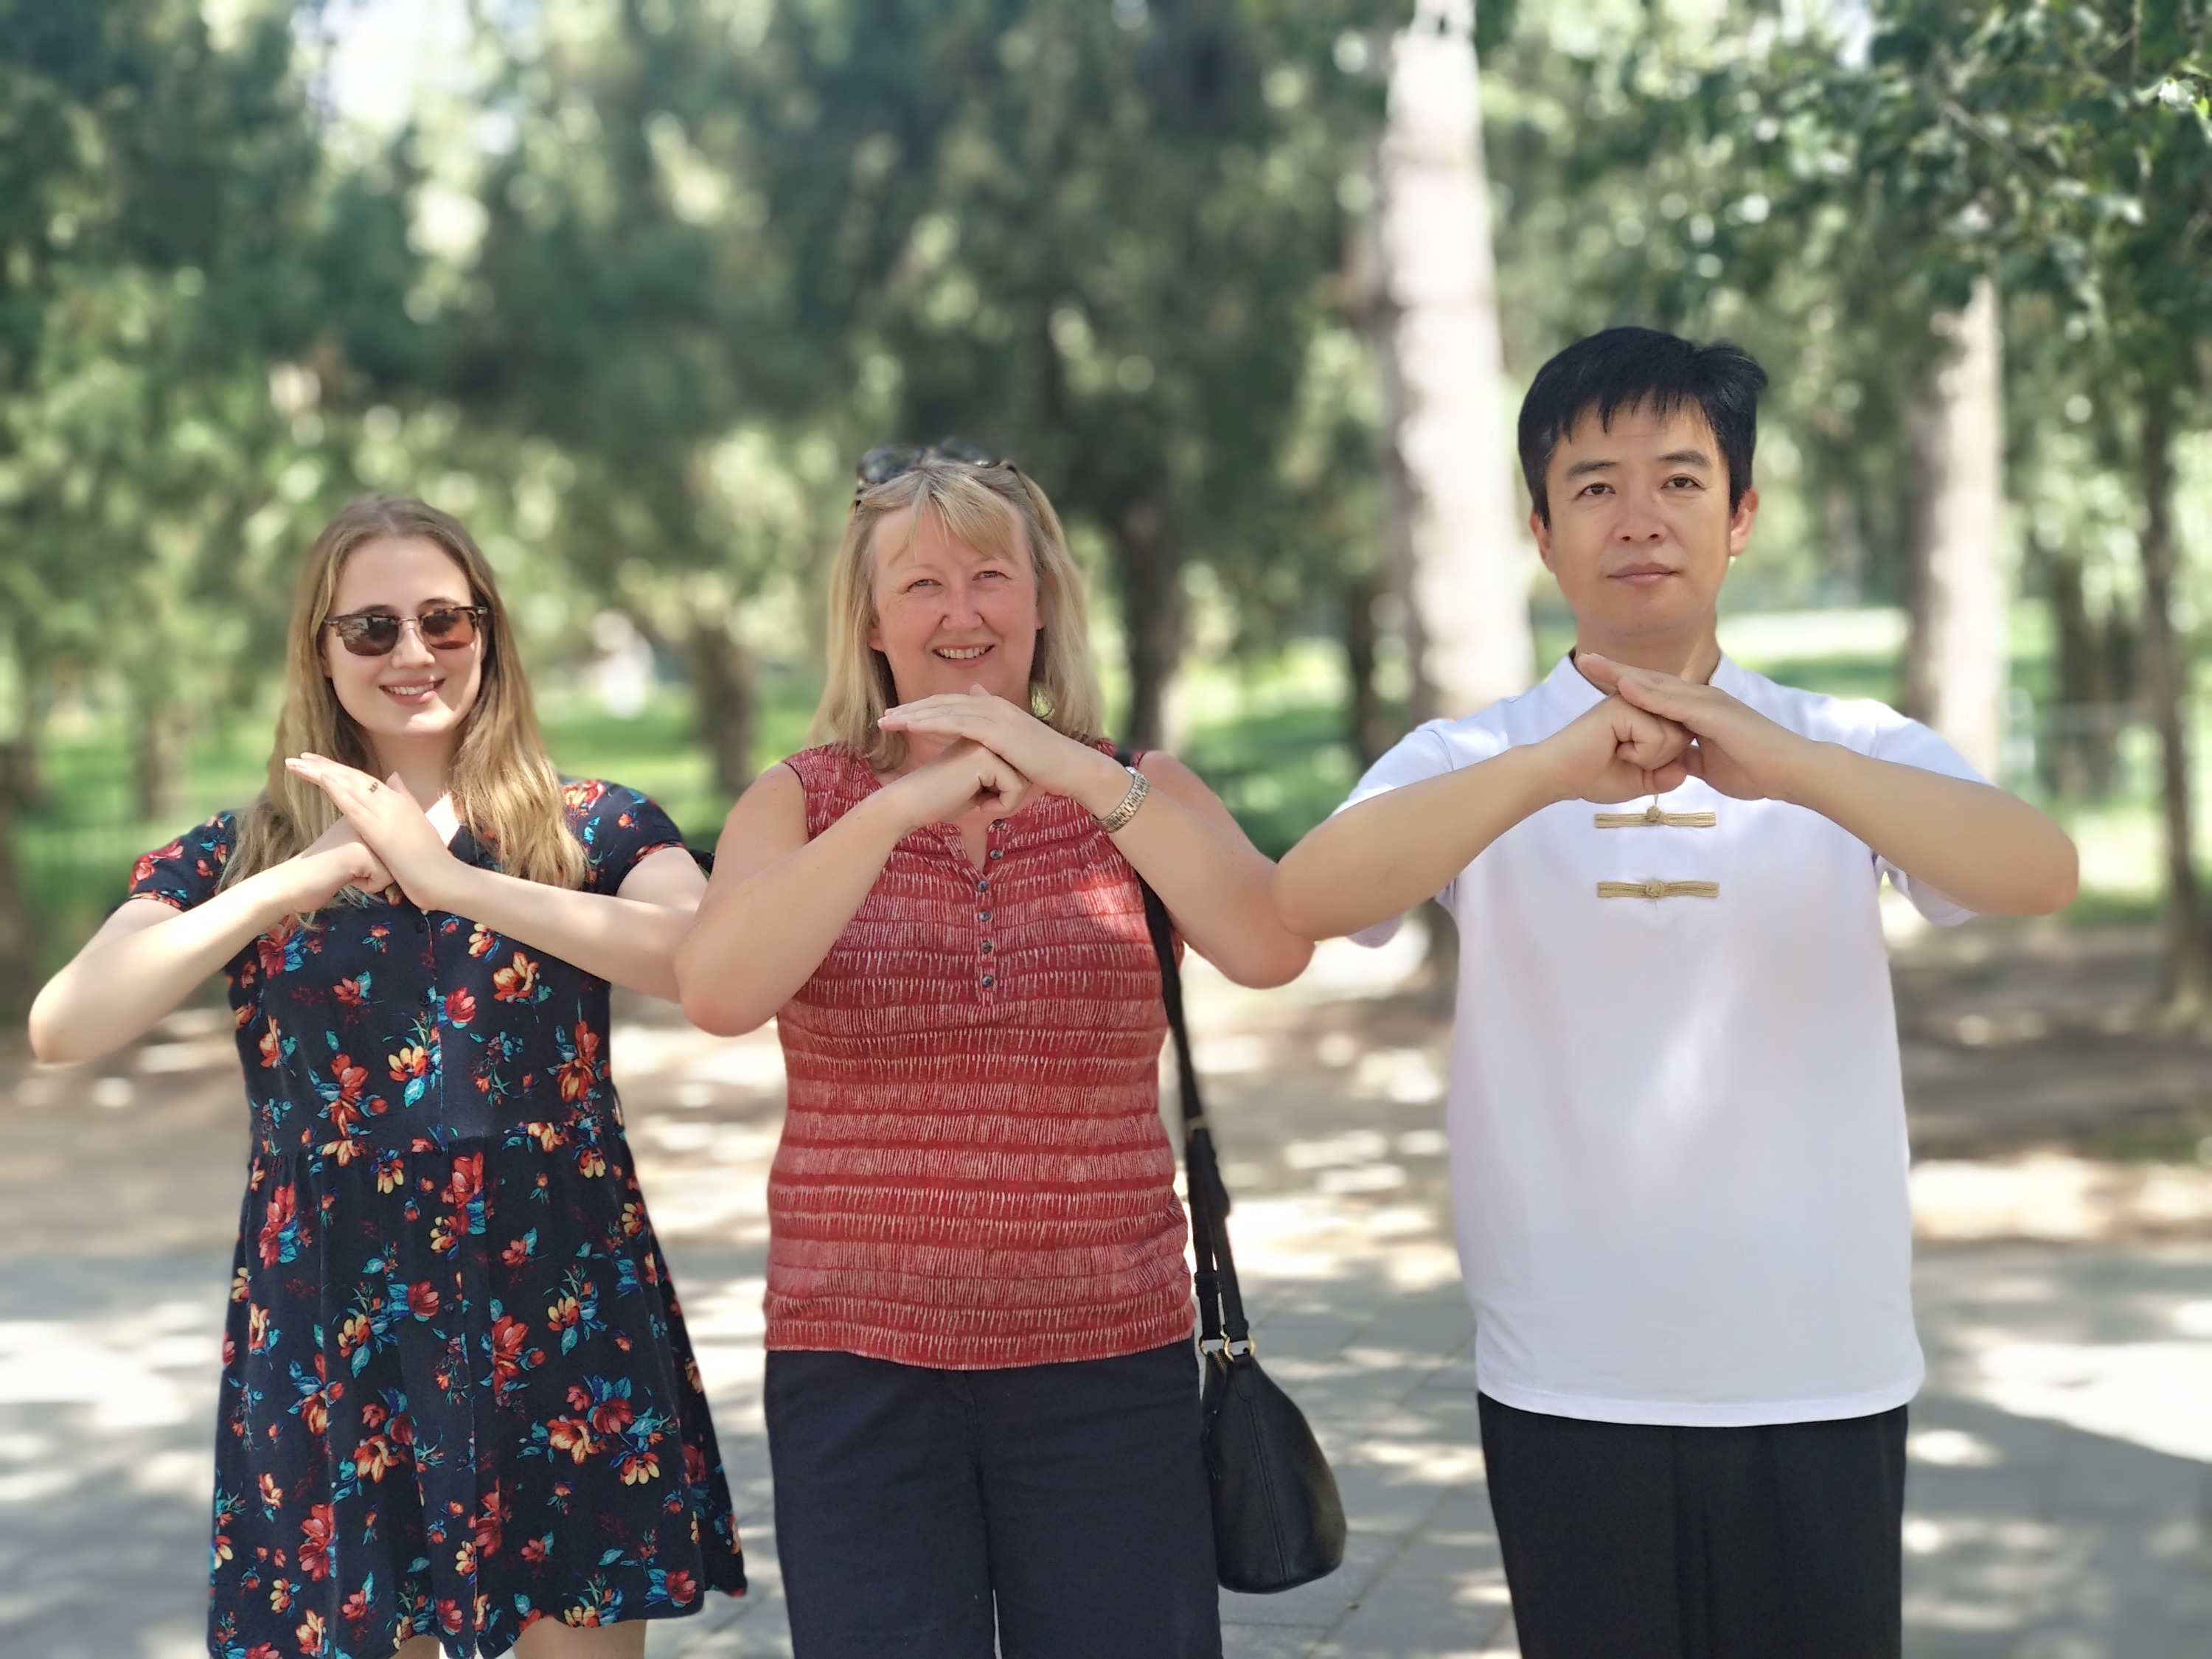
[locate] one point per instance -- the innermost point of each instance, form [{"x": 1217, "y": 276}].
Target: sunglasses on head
[
  {"x": 888, "y": 461},
  {"x": 376, "y": 633}
]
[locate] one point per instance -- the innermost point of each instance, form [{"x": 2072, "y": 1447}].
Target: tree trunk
[
  {"x": 1468, "y": 588},
  {"x": 2066, "y": 751},
  {"x": 157, "y": 764},
  {"x": 2081, "y": 752},
  {"x": 1365, "y": 728},
  {"x": 1959, "y": 656},
  {"x": 1844, "y": 534},
  {"x": 1152, "y": 619},
  {"x": 722, "y": 690},
  {"x": 2166, "y": 683},
  {"x": 19, "y": 934}
]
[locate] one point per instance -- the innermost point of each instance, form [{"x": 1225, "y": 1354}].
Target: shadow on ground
[{"x": 2060, "y": 1488}]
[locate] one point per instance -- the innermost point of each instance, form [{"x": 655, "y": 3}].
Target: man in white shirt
[{"x": 1677, "y": 1125}]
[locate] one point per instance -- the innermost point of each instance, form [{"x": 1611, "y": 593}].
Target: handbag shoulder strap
[{"x": 1221, "y": 1322}]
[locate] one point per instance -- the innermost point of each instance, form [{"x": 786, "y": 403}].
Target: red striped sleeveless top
[{"x": 973, "y": 1172}]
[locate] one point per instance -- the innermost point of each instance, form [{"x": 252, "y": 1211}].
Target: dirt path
[
  {"x": 2063, "y": 1459},
  {"x": 2037, "y": 1035}
]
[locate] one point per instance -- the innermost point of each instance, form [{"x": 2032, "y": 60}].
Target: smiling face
[
  {"x": 412, "y": 695},
  {"x": 948, "y": 615},
  {"x": 1641, "y": 535}
]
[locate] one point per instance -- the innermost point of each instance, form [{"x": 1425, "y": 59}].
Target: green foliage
[
  {"x": 152, "y": 181},
  {"x": 632, "y": 298},
  {"x": 1739, "y": 174},
  {"x": 1095, "y": 238}
]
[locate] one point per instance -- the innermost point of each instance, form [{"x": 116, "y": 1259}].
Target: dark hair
[{"x": 1643, "y": 368}]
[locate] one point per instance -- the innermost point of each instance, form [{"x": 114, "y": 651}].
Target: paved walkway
[{"x": 2061, "y": 1495}]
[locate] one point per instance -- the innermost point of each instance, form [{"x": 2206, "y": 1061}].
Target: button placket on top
[
  {"x": 1678, "y": 835},
  {"x": 469, "y": 1268},
  {"x": 986, "y": 975}
]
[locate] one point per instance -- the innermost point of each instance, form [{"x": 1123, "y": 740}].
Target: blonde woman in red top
[{"x": 981, "y": 1396}]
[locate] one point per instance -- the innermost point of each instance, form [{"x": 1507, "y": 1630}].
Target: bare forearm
[
  {"x": 626, "y": 942},
  {"x": 1977, "y": 845},
  {"x": 1219, "y": 888},
  {"x": 1380, "y": 859},
  {"x": 118, "y": 988},
  {"x": 756, "y": 941}
]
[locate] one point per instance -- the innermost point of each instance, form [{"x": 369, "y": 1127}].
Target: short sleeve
[
  {"x": 189, "y": 869},
  {"x": 1423, "y": 753},
  {"x": 1908, "y": 743},
  {"x": 619, "y": 828},
  {"x": 1427, "y": 751}
]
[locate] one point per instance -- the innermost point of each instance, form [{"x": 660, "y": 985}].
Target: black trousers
[
  {"x": 1062, "y": 1509},
  {"x": 1631, "y": 1541}
]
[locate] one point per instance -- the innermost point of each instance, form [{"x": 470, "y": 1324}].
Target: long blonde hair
[
  {"x": 998, "y": 511},
  {"x": 503, "y": 784}
]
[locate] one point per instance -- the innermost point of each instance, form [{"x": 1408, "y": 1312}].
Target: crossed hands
[
  {"x": 381, "y": 838},
  {"x": 997, "y": 756},
  {"x": 1654, "y": 730}
]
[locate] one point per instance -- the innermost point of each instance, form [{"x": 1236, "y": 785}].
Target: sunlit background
[
  {"x": 627, "y": 286},
  {"x": 1253, "y": 287}
]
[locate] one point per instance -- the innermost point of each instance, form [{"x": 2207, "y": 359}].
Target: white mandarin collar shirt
[{"x": 1676, "y": 1118}]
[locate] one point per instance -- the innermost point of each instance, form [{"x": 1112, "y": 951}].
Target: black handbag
[{"x": 1277, "y": 1521}]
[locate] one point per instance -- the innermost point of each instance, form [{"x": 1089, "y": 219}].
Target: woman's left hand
[
  {"x": 1057, "y": 764},
  {"x": 386, "y": 816}
]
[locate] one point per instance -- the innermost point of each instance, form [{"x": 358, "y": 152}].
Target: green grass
[
  {"x": 2099, "y": 907},
  {"x": 1853, "y": 676}
]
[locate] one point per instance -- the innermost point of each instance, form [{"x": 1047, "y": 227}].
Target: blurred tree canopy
[
  {"x": 1090, "y": 237},
  {"x": 636, "y": 281},
  {"x": 1827, "y": 198},
  {"x": 156, "y": 186}
]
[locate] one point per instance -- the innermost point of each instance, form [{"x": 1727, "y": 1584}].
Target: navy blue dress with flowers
[{"x": 458, "y": 1396}]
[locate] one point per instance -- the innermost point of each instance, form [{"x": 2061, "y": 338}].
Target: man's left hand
[{"x": 1737, "y": 750}]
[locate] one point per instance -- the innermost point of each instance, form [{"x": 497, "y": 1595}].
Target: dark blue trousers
[
  {"x": 1037, "y": 1512},
  {"x": 1632, "y": 1541}
]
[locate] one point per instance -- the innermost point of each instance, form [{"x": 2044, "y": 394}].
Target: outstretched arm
[
  {"x": 1972, "y": 842},
  {"x": 1219, "y": 887},
  {"x": 627, "y": 937},
  {"x": 1975, "y": 844},
  {"x": 778, "y": 900},
  {"x": 1377, "y": 861},
  {"x": 148, "y": 957}
]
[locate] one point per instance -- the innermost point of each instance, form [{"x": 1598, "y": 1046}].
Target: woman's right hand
[
  {"x": 964, "y": 776},
  {"x": 781, "y": 897},
  {"x": 337, "y": 859}
]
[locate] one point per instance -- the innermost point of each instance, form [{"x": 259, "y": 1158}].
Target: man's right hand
[{"x": 1616, "y": 752}]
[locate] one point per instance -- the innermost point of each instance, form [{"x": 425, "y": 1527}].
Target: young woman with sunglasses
[
  {"x": 459, "y": 1405},
  {"x": 982, "y": 1394}
]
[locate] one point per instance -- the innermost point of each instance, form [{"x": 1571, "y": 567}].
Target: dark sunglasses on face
[
  {"x": 376, "y": 633},
  {"x": 888, "y": 461}
]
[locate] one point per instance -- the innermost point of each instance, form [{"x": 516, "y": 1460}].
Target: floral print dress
[{"x": 458, "y": 1396}]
